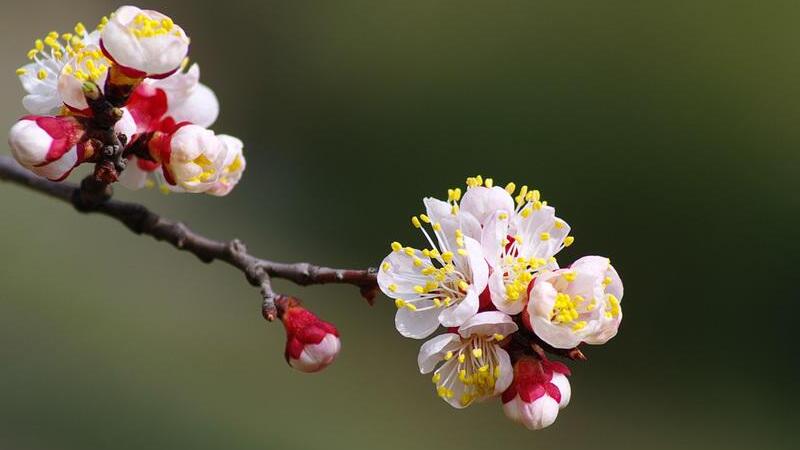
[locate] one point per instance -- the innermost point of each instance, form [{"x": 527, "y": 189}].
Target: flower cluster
[
  {"x": 489, "y": 275},
  {"x": 123, "y": 92}
]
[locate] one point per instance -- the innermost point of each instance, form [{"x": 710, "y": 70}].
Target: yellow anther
[
  {"x": 502, "y": 216},
  {"x": 570, "y": 276},
  {"x": 419, "y": 289},
  {"x": 415, "y": 222},
  {"x": 463, "y": 252},
  {"x": 569, "y": 240},
  {"x": 41, "y": 74},
  {"x": 386, "y": 266},
  {"x": 447, "y": 301},
  {"x": 437, "y": 303},
  {"x": 409, "y": 251},
  {"x": 392, "y": 287},
  {"x": 606, "y": 281},
  {"x": 436, "y": 377},
  {"x": 447, "y": 256},
  {"x": 498, "y": 337},
  {"x": 21, "y": 71},
  {"x": 396, "y": 246},
  {"x": 544, "y": 236},
  {"x": 510, "y": 188},
  {"x": 558, "y": 224},
  {"x": 425, "y": 218},
  {"x": 454, "y": 210},
  {"x": 80, "y": 29},
  {"x": 479, "y": 180},
  {"x": 484, "y": 368},
  {"x": 38, "y": 45},
  {"x": 579, "y": 325},
  {"x": 489, "y": 182},
  {"x": 525, "y": 213},
  {"x": 417, "y": 262},
  {"x": 411, "y": 307},
  {"x": 463, "y": 285},
  {"x": 399, "y": 303},
  {"x": 437, "y": 227},
  {"x": 497, "y": 372},
  {"x": 518, "y": 239},
  {"x": 462, "y": 357},
  {"x": 448, "y": 356},
  {"x": 466, "y": 399},
  {"x": 476, "y": 352},
  {"x": 457, "y": 194}
]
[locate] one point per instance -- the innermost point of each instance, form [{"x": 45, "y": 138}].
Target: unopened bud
[{"x": 311, "y": 344}]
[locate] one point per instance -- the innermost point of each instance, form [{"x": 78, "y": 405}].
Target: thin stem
[{"x": 141, "y": 220}]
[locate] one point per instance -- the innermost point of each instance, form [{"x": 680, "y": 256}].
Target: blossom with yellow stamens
[
  {"x": 577, "y": 304},
  {"x": 436, "y": 285},
  {"x": 144, "y": 43},
  {"x": 472, "y": 365}
]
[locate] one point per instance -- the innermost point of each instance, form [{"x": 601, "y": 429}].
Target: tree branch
[{"x": 141, "y": 220}]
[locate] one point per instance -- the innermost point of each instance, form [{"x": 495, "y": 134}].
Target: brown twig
[{"x": 141, "y": 220}]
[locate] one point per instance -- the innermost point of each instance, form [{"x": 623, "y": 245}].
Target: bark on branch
[{"x": 141, "y": 220}]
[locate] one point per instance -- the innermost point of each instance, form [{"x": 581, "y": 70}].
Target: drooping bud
[
  {"x": 539, "y": 390},
  {"x": 311, "y": 344},
  {"x": 144, "y": 43},
  {"x": 47, "y": 145}
]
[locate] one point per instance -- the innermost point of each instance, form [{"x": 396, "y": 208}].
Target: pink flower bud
[
  {"x": 311, "y": 344},
  {"x": 539, "y": 390},
  {"x": 47, "y": 145}
]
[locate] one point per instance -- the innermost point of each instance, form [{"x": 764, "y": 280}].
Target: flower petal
[
  {"x": 488, "y": 323},
  {"x": 432, "y": 351}
]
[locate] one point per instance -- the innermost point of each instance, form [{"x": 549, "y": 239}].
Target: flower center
[{"x": 472, "y": 370}]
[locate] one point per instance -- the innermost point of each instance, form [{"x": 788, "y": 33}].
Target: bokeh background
[{"x": 664, "y": 132}]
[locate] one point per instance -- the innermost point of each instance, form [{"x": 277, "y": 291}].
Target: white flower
[
  {"x": 474, "y": 366},
  {"x": 188, "y": 100},
  {"x": 47, "y": 145},
  {"x": 437, "y": 285},
  {"x": 193, "y": 158},
  {"x": 540, "y": 389},
  {"x": 232, "y": 168},
  {"x": 49, "y": 57},
  {"x": 519, "y": 239},
  {"x": 578, "y": 304},
  {"x": 144, "y": 42}
]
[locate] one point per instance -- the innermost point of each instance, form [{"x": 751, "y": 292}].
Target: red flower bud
[{"x": 311, "y": 344}]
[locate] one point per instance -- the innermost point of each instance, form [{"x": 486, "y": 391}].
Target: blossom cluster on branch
[
  {"x": 489, "y": 275},
  {"x": 121, "y": 97}
]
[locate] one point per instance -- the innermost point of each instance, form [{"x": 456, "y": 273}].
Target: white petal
[
  {"x": 416, "y": 324},
  {"x": 432, "y": 351},
  {"x": 477, "y": 264},
  {"x": 543, "y": 296},
  {"x": 133, "y": 177},
  {"x": 459, "y": 313},
  {"x": 497, "y": 290},
  {"x": 562, "y": 383},
  {"x": 29, "y": 143},
  {"x": 57, "y": 169},
  {"x": 201, "y": 107},
  {"x": 493, "y": 237},
  {"x": 541, "y": 413},
  {"x": 488, "y": 323},
  {"x": 401, "y": 277},
  {"x": 506, "y": 371},
  {"x": 559, "y": 336},
  {"x": 483, "y": 202}
]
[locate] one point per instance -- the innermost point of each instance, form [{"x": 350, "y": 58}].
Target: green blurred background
[{"x": 665, "y": 133}]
